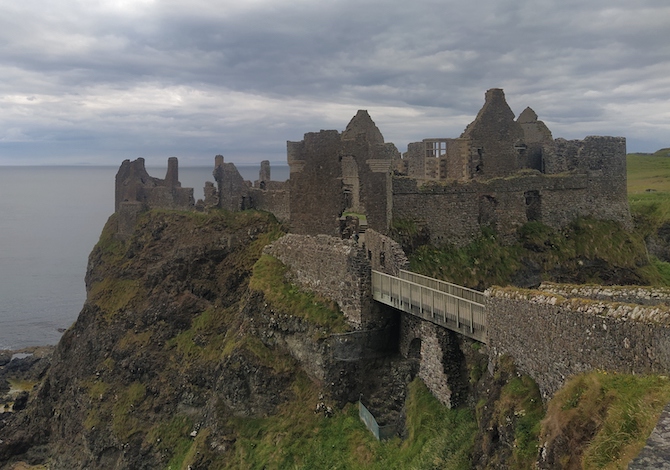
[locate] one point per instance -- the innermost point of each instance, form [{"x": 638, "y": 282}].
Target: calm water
[{"x": 50, "y": 219}]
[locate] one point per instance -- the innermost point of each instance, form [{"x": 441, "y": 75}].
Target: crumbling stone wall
[
  {"x": 332, "y": 173},
  {"x": 552, "y": 337},
  {"x": 275, "y": 201},
  {"x": 384, "y": 253},
  {"x": 233, "y": 193},
  {"x": 503, "y": 173},
  {"x": 441, "y": 361},
  {"x": 494, "y": 136},
  {"x": 136, "y": 191},
  {"x": 316, "y": 197},
  {"x": 499, "y": 173},
  {"x": 335, "y": 268},
  {"x": 133, "y": 184},
  {"x": 455, "y": 212},
  {"x": 232, "y": 190}
]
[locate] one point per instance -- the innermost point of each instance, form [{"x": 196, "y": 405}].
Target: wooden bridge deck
[{"x": 454, "y": 307}]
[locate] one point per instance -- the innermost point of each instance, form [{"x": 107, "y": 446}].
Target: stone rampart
[
  {"x": 441, "y": 361},
  {"x": 134, "y": 184},
  {"x": 384, "y": 253},
  {"x": 335, "y": 268},
  {"x": 642, "y": 295},
  {"x": 552, "y": 337},
  {"x": 275, "y": 201},
  {"x": 136, "y": 191},
  {"x": 455, "y": 212}
]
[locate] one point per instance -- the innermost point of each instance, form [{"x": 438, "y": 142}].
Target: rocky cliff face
[
  {"x": 171, "y": 347},
  {"x": 159, "y": 337}
]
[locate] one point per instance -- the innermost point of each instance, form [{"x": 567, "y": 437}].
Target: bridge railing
[
  {"x": 460, "y": 314},
  {"x": 443, "y": 286}
]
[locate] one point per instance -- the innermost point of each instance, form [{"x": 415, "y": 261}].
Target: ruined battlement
[
  {"x": 501, "y": 172},
  {"x": 136, "y": 191}
]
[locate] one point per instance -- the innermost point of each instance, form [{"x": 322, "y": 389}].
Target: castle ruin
[
  {"x": 346, "y": 189},
  {"x": 501, "y": 173}
]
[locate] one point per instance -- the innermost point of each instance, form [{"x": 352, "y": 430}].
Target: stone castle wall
[
  {"x": 334, "y": 268},
  {"x": 274, "y": 200},
  {"x": 384, "y": 253},
  {"x": 335, "y": 173},
  {"x": 552, "y": 338},
  {"x": 136, "y": 191},
  {"x": 441, "y": 361},
  {"x": 316, "y": 197},
  {"x": 134, "y": 184},
  {"x": 455, "y": 212},
  {"x": 641, "y": 295}
]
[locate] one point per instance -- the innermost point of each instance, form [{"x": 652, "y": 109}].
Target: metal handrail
[{"x": 446, "y": 309}]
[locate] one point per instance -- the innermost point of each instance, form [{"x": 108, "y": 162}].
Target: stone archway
[{"x": 414, "y": 349}]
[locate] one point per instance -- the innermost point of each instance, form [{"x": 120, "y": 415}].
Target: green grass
[
  {"x": 648, "y": 172},
  {"x": 204, "y": 340},
  {"x": 173, "y": 437},
  {"x": 521, "y": 398},
  {"x": 112, "y": 295},
  {"x": 298, "y": 438},
  {"x": 486, "y": 261},
  {"x": 125, "y": 422},
  {"x": 483, "y": 262},
  {"x": 606, "y": 417}
]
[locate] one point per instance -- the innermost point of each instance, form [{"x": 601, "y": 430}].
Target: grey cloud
[{"x": 192, "y": 77}]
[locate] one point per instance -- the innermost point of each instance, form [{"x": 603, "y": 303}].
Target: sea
[{"x": 50, "y": 219}]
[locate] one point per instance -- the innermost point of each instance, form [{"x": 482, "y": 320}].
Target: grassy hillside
[
  {"x": 649, "y": 190},
  {"x": 648, "y": 172}
]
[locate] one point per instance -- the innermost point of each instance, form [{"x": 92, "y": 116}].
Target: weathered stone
[{"x": 552, "y": 338}]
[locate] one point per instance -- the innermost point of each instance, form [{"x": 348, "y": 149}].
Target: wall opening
[
  {"x": 487, "y": 211},
  {"x": 535, "y": 159},
  {"x": 443, "y": 169},
  {"x": 533, "y": 205},
  {"x": 350, "y": 184},
  {"x": 414, "y": 350}
]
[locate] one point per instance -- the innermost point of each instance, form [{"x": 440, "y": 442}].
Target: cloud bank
[{"x": 98, "y": 82}]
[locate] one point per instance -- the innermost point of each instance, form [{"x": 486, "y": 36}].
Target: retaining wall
[
  {"x": 335, "y": 268},
  {"x": 552, "y": 337}
]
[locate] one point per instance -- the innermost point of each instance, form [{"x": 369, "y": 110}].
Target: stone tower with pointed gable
[{"x": 334, "y": 173}]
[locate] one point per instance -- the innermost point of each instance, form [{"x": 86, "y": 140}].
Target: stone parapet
[
  {"x": 643, "y": 295},
  {"x": 552, "y": 337},
  {"x": 335, "y": 268}
]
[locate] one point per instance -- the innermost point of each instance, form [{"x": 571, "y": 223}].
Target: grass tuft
[{"x": 605, "y": 418}]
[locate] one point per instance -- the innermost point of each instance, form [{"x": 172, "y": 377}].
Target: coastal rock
[
  {"x": 171, "y": 331},
  {"x": 5, "y": 357}
]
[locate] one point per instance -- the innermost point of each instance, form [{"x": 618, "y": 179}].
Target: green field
[
  {"x": 649, "y": 190},
  {"x": 648, "y": 173}
]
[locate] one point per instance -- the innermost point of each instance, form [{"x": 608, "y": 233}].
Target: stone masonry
[
  {"x": 552, "y": 337},
  {"x": 441, "y": 361},
  {"x": 136, "y": 191},
  {"x": 501, "y": 173},
  {"x": 335, "y": 268}
]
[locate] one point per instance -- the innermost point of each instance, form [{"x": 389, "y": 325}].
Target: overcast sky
[{"x": 99, "y": 81}]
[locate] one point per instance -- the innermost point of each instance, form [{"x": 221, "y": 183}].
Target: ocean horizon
[{"x": 50, "y": 219}]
